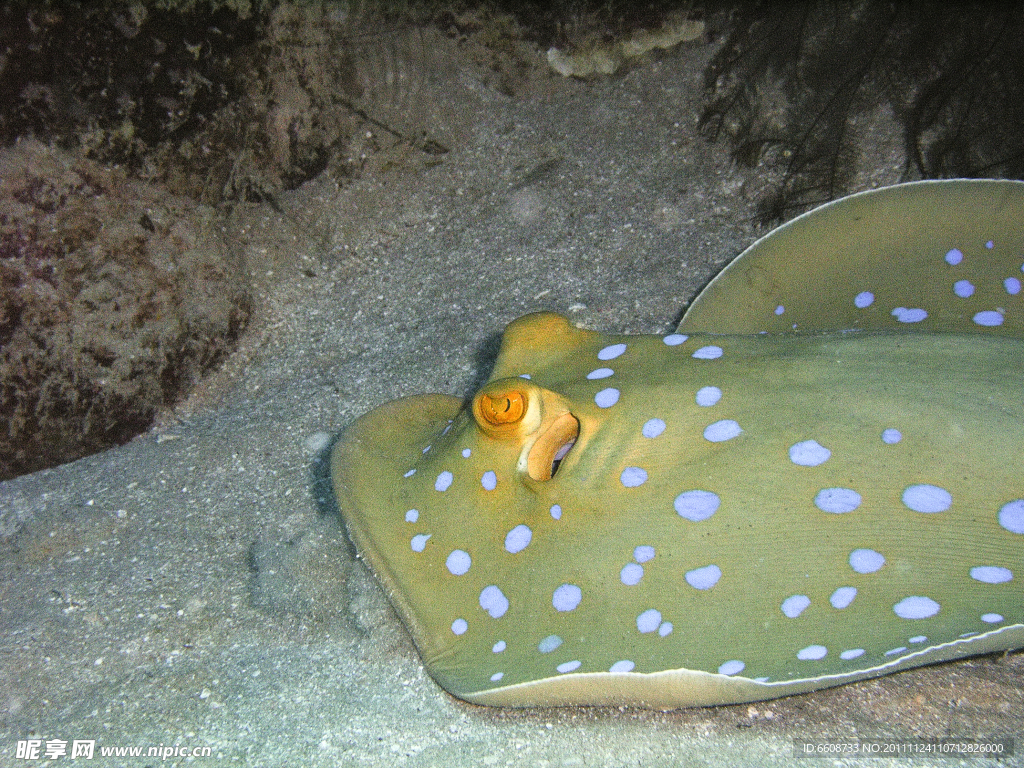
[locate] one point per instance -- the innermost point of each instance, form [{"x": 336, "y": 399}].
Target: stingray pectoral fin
[
  {"x": 938, "y": 256},
  {"x": 693, "y": 688},
  {"x": 367, "y": 462}
]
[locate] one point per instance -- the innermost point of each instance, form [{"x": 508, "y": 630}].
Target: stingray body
[{"x": 816, "y": 479}]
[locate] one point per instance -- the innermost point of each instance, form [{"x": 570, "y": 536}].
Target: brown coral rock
[{"x": 115, "y": 298}]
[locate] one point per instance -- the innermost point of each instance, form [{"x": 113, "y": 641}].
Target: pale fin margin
[{"x": 673, "y": 688}]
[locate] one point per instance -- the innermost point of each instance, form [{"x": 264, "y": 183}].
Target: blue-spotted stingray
[{"x": 817, "y": 478}]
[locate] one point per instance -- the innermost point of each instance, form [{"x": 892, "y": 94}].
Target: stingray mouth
[{"x": 552, "y": 446}]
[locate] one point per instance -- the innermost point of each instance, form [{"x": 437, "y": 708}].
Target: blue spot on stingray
[
  {"x": 837, "y": 500},
  {"x": 842, "y": 597},
  {"x": 632, "y": 477},
  {"x": 410, "y": 473},
  {"x": 499, "y": 647},
  {"x": 493, "y": 600},
  {"x": 665, "y": 629},
  {"x": 459, "y": 626},
  {"x": 991, "y": 574},
  {"x": 622, "y": 666},
  {"x": 412, "y": 516},
  {"x": 863, "y": 299},
  {"x": 794, "y": 605},
  {"x": 866, "y": 560},
  {"x": 990, "y": 245},
  {"x": 954, "y": 257},
  {"x": 1012, "y": 285},
  {"x": 648, "y": 621},
  {"x": 556, "y": 511},
  {"x": 643, "y": 553},
  {"x": 466, "y": 453},
  {"x": 991, "y": 618},
  {"x": 853, "y": 653},
  {"x": 600, "y": 373},
  {"x": 652, "y": 428},
  {"x": 812, "y": 653},
  {"x": 675, "y": 339},
  {"x": 723, "y": 430},
  {"x": 963, "y": 288},
  {"x": 606, "y": 398},
  {"x": 708, "y": 396},
  {"x": 631, "y": 574},
  {"x": 894, "y": 651},
  {"x": 489, "y": 480},
  {"x": 905, "y": 315},
  {"x": 808, "y": 453},
  {"x": 444, "y": 480},
  {"x": 696, "y": 505},
  {"x": 569, "y": 666},
  {"x": 1011, "y": 516},
  {"x": 927, "y": 498},
  {"x": 549, "y": 643},
  {"x": 732, "y": 667},
  {"x": 703, "y": 578},
  {"x": 708, "y": 353},
  {"x": 779, "y": 309},
  {"x": 419, "y": 541},
  {"x": 891, "y": 436},
  {"x": 518, "y": 539},
  {"x": 989, "y": 318},
  {"x": 458, "y": 562},
  {"x": 497, "y": 676},
  {"x": 916, "y": 607},
  {"x": 611, "y": 351},
  {"x": 917, "y": 639},
  {"x": 566, "y": 598}
]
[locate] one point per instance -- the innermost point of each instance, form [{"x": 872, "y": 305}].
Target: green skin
[{"x": 955, "y": 398}]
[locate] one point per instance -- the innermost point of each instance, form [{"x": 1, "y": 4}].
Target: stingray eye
[{"x": 506, "y": 408}]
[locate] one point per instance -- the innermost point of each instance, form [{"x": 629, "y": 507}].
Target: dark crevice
[{"x": 792, "y": 82}]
